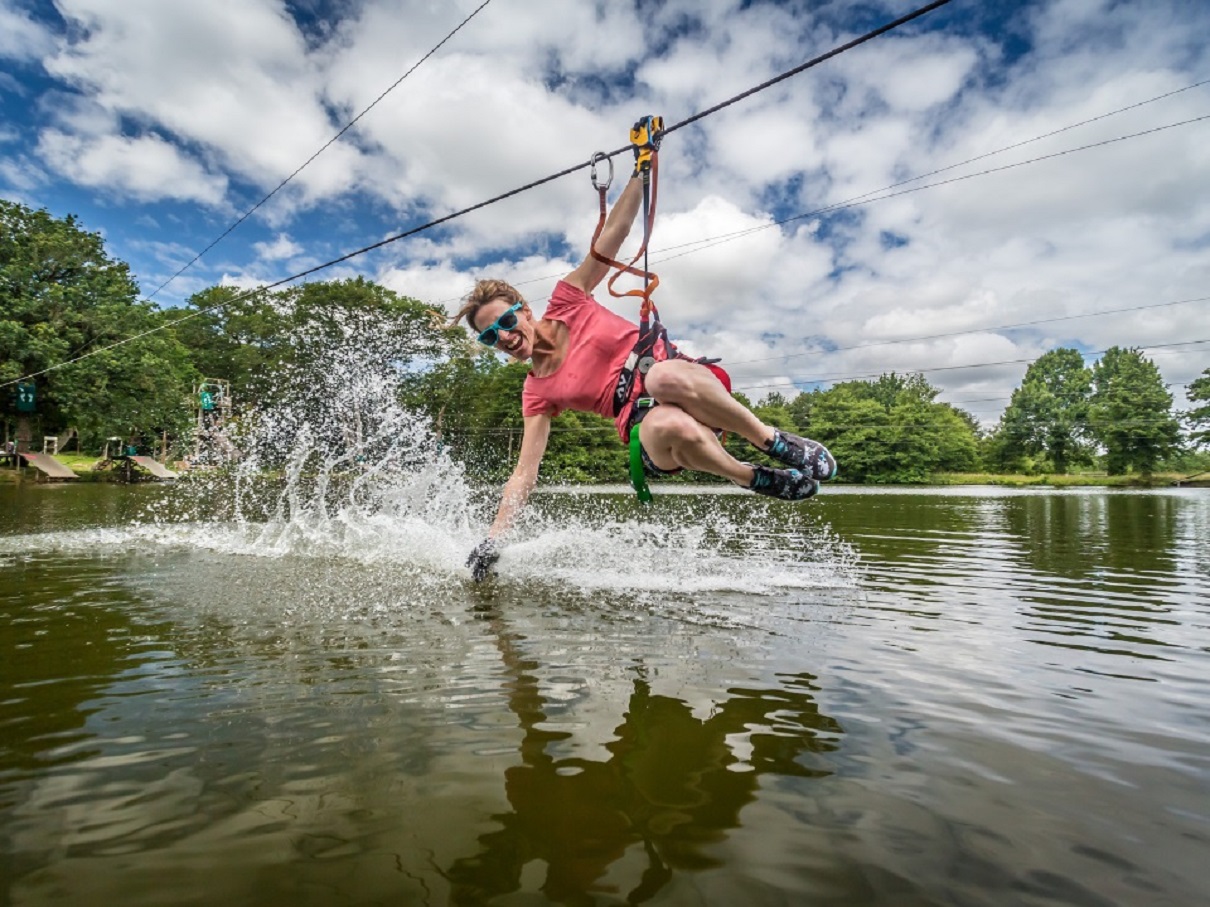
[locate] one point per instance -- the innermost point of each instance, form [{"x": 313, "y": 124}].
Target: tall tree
[
  {"x": 1049, "y": 411},
  {"x": 234, "y": 336},
  {"x": 62, "y": 296},
  {"x": 1131, "y": 412},
  {"x": 1199, "y": 417},
  {"x": 889, "y": 430},
  {"x": 265, "y": 343}
]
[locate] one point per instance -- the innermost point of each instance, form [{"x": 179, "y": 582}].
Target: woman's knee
[
  {"x": 673, "y": 430},
  {"x": 664, "y": 425}
]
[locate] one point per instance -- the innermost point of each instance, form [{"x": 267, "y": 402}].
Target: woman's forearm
[
  {"x": 512, "y": 501},
  {"x": 525, "y": 474},
  {"x": 621, "y": 219}
]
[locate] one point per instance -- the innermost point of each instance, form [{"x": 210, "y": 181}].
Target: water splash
[{"x": 336, "y": 469}]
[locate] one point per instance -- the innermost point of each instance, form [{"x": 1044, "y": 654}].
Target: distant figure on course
[{"x": 578, "y": 351}]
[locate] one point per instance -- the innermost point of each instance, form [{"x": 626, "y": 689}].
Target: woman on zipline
[{"x": 578, "y": 351}]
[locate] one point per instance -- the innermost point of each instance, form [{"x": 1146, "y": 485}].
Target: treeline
[{"x": 64, "y": 304}]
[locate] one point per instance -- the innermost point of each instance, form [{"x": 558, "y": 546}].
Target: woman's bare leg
[
  {"x": 696, "y": 390},
  {"x": 675, "y": 440}
]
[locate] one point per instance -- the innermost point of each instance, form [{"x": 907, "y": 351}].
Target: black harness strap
[{"x": 639, "y": 362}]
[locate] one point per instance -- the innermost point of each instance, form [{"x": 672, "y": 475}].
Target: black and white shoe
[
  {"x": 787, "y": 484},
  {"x": 802, "y": 453}
]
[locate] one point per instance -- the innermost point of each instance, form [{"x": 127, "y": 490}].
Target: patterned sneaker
[
  {"x": 787, "y": 484},
  {"x": 802, "y": 453}
]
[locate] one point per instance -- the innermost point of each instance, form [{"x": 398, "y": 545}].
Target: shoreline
[{"x": 87, "y": 472}]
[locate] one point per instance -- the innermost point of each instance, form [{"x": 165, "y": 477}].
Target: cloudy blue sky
[{"x": 160, "y": 122}]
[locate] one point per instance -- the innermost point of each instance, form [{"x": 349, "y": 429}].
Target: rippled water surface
[{"x": 975, "y": 697}]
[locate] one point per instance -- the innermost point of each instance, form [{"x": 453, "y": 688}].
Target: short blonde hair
[{"x": 484, "y": 292}]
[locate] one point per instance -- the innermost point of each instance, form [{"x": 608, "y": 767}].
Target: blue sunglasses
[{"x": 506, "y": 322}]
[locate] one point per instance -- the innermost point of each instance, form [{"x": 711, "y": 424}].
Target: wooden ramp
[
  {"x": 49, "y": 465},
  {"x": 155, "y": 467}
]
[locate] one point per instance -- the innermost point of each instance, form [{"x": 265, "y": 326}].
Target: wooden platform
[
  {"x": 49, "y": 465},
  {"x": 155, "y": 467}
]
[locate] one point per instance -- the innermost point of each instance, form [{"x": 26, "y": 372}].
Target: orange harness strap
[{"x": 651, "y": 280}]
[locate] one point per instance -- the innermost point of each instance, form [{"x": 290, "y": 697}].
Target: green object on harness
[{"x": 637, "y": 477}]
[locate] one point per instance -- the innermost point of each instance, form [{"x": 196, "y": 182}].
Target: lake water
[{"x": 960, "y": 696}]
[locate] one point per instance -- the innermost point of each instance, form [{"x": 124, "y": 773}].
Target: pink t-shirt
[{"x": 598, "y": 343}]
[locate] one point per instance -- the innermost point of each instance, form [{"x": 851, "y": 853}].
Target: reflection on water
[
  {"x": 672, "y": 785},
  {"x": 985, "y": 697},
  {"x": 56, "y": 660},
  {"x": 1110, "y": 573}
]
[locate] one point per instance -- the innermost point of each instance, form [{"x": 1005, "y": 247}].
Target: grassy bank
[
  {"x": 1158, "y": 480},
  {"x": 89, "y": 469}
]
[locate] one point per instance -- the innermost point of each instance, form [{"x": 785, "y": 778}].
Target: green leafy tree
[
  {"x": 584, "y": 447},
  {"x": 775, "y": 410},
  {"x": 1049, "y": 411},
  {"x": 474, "y": 401},
  {"x": 889, "y": 430},
  {"x": 857, "y": 429},
  {"x": 1131, "y": 412},
  {"x": 1198, "y": 418},
  {"x": 234, "y": 336},
  {"x": 269, "y": 344},
  {"x": 61, "y": 297},
  {"x": 999, "y": 453}
]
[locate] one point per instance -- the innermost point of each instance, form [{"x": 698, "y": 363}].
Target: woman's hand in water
[{"x": 482, "y": 559}]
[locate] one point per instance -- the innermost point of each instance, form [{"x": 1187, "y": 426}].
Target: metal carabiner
[{"x": 593, "y": 161}]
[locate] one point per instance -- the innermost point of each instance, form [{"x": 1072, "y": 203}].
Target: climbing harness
[{"x": 645, "y": 139}]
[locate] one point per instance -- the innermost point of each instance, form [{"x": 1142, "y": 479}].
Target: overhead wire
[
  {"x": 862, "y": 200},
  {"x": 1002, "y": 327},
  {"x": 349, "y": 125},
  {"x": 948, "y": 368},
  {"x": 727, "y": 237},
  {"x": 1160, "y": 349},
  {"x": 709, "y": 241},
  {"x": 815, "y": 61},
  {"x": 391, "y": 239},
  {"x": 582, "y": 429}
]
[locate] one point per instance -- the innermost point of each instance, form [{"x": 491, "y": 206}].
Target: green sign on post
[
  {"x": 27, "y": 400},
  {"x": 207, "y": 398}
]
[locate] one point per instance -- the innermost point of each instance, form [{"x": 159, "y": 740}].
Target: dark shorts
[{"x": 651, "y": 469}]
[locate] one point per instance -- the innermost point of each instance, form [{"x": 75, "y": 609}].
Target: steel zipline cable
[
  {"x": 349, "y": 125},
  {"x": 866, "y": 199},
  {"x": 815, "y": 61},
  {"x": 702, "y": 245}
]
